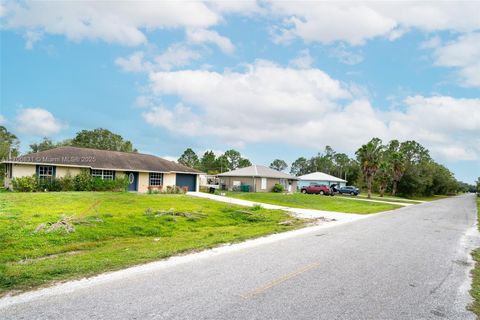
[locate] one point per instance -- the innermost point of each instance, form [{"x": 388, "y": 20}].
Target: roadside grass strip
[
  {"x": 475, "y": 290},
  {"x": 317, "y": 202}
]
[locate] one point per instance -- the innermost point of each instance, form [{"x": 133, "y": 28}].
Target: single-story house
[
  {"x": 258, "y": 178},
  {"x": 320, "y": 178},
  {"x": 142, "y": 170}
]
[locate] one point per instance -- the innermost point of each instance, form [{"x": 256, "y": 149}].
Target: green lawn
[
  {"x": 114, "y": 231},
  {"x": 475, "y": 291},
  {"x": 387, "y": 198},
  {"x": 311, "y": 201},
  {"x": 376, "y": 196}
]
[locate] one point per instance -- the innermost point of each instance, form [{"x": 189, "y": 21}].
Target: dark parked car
[
  {"x": 316, "y": 189},
  {"x": 353, "y": 191}
]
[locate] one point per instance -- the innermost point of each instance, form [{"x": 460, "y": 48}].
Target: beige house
[
  {"x": 142, "y": 170},
  {"x": 258, "y": 178}
]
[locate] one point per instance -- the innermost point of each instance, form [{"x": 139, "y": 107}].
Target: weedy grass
[
  {"x": 311, "y": 201},
  {"x": 475, "y": 290},
  {"x": 50, "y": 237}
]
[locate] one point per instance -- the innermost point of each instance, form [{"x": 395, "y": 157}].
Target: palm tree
[
  {"x": 384, "y": 176},
  {"x": 397, "y": 160},
  {"x": 369, "y": 156}
]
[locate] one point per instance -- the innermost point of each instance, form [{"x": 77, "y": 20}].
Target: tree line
[
  {"x": 213, "y": 164},
  {"x": 404, "y": 168}
]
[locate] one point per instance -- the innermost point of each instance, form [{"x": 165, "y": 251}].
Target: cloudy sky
[{"x": 271, "y": 79}]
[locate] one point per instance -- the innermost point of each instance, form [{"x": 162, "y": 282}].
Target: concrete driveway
[
  {"x": 411, "y": 263},
  {"x": 302, "y": 213}
]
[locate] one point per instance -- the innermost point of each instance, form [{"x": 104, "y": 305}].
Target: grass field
[
  {"x": 376, "y": 196},
  {"x": 113, "y": 231},
  {"x": 386, "y": 198},
  {"x": 475, "y": 291},
  {"x": 311, "y": 201}
]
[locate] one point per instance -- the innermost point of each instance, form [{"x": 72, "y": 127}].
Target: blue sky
[{"x": 271, "y": 79}]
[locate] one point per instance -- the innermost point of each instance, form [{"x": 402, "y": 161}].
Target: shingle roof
[
  {"x": 320, "y": 176},
  {"x": 257, "y": 171},
  {"x": 103, "y": 159}
]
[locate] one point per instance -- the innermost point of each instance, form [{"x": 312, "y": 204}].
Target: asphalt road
[{"x": 412, "y": 263}]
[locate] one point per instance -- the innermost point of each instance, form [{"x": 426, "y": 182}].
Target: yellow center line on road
[{"x": 277, "y": 281}]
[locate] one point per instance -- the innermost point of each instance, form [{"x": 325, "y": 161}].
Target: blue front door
[{"x": 132, "y": 181}]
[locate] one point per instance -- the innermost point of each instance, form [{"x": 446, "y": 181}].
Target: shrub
[
  {"x": 154, "y": 189},
  {"x": 278, "y": 188},
  {"x": 83, "y": 181},
  {"x": 67, "y": 183},
  {"x": 51, "y": 184},
  {"x": 25, "y": 184},
  {"x": 173, "y": 190}
]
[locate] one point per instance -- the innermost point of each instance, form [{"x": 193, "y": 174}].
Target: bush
[
  {"x": 278, "y": 188},
  {"x": 174, "y": 190},
  {"x": 52, "y": 184},
  {"x": 25, "y": 184},
  {"x": 83, "y": 181},
  {"x": 67, "y": 183}
]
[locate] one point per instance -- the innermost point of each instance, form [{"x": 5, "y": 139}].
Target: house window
[
  {"x": 45, "y": 172},
  {"x": 108, "y": 175},
  {"x": 156, "y": 179},
  {"x": 103, "y": 174}
]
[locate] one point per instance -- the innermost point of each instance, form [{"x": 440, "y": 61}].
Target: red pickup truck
[{"x": 316, "y": 189}]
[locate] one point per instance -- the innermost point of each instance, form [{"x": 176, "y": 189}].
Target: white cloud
[
  {"x": 345, "y": 56},
  {"x": 303, "y": 61},
  {"x": 209, "y": 36},
  {"x": 244, "y": 7},
  {"x": 31, "y": 38},
  {"x": 2, "y": 120},
  {"x": 463, "y": 54},
  {"x": 177, "y": 55},
  {"x": 443, "y": 123},
  {"x": 113, "y": 22},
  {"x": 356, "y": 22},
  {"x": 134, "y": 63},
  {"x": 37, "y": 122},
  {"x": 306, "y": 107}
]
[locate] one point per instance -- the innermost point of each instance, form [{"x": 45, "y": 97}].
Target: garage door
[{"x": 187, "y": 180}]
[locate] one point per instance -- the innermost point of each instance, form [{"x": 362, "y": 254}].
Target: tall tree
[
  {"x": 341, "y": 164},
  {"x": 45, "y": 144},
  {"x": 383, "y": 175},
  {"x": 300, "y": 167},
  {"x": 208, "y": 163},
  {"x": 244, "y": 163},
  {"x": 9, "y": 148},
  {"x": 397, "y": 160},
  {"x": 102, "y": 139},
  {"x": 369, "y": 156},
  {"x": 189, "y": 158},
  {"x": 233, "y": 157},
  {"x": 323, "y": 161},
  {"x": 9, "y": 144},
  {"x": 222, "y": 163},
  {"x": 278, "y": 165}
]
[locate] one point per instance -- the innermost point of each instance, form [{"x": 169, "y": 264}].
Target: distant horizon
[{"x": 269, "y": 79}]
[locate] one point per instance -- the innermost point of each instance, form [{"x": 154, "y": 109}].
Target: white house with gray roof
[{"x": 258, "y": 178}]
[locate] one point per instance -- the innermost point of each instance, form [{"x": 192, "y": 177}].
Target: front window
[
  {"x": 45, "y": 172},
  {"x": 103, "y": 174},
  {"x": 156, "y": 179}
]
